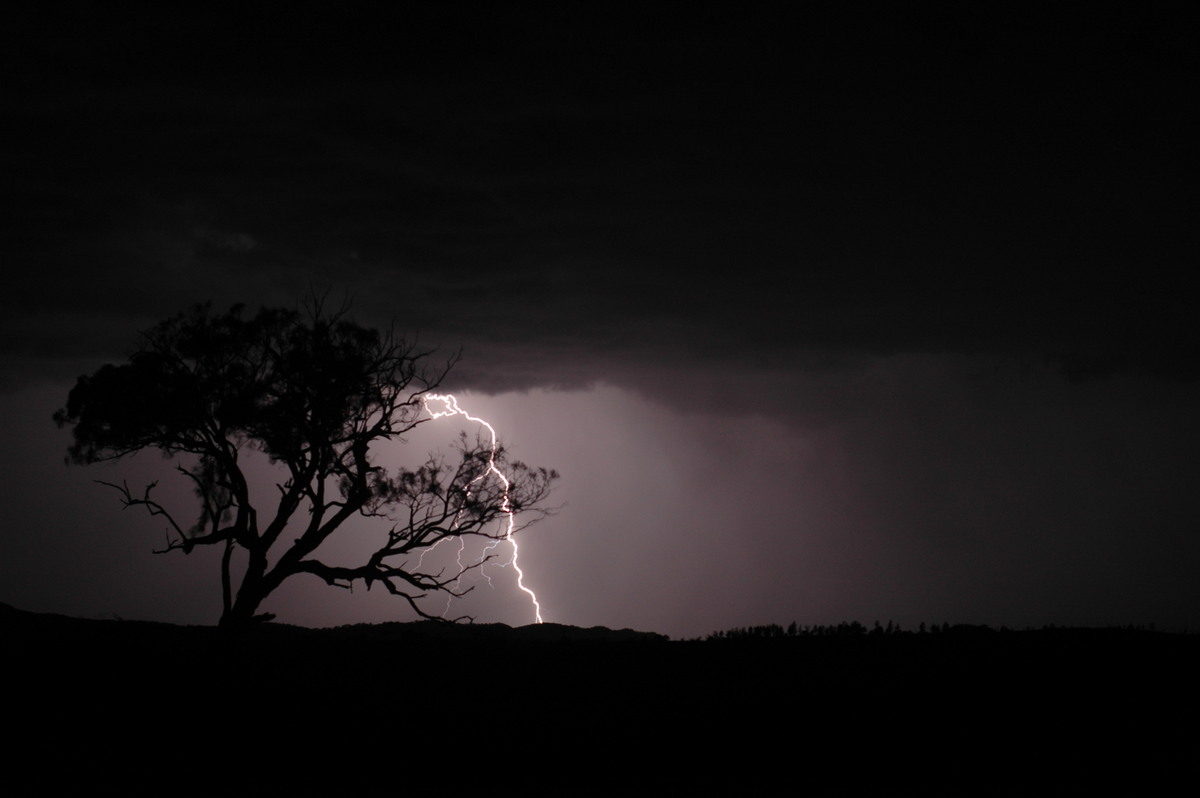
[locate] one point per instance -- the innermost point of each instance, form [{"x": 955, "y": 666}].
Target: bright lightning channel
[{"x": 451, "y": 408}]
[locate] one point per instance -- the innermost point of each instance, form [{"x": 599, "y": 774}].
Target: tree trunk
[{"x": 253, "y": 590}]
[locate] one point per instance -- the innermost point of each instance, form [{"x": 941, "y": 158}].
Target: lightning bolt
[{"x": 450, "y": 408}]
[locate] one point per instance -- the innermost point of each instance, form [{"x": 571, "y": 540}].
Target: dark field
[{"x": 136, "y": 708}]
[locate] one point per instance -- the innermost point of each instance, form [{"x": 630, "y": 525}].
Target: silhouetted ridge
[
  {"x": 110, "y": 706},
  {"x": 479, "y": 632},
  {"x": 50, "y": 626}
]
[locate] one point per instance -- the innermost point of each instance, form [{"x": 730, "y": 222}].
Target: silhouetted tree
[{"x": 314, "y": 392}]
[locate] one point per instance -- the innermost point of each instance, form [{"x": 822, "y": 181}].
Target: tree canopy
[{"x": 314, "y": 392}]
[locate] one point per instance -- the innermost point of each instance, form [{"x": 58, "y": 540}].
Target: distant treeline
[{"x": 855, "y": 628}]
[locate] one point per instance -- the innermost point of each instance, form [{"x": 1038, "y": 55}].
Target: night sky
[{"x": 856, "y": 312}]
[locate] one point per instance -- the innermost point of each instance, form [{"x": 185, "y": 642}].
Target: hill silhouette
[{"x": 136, "y": 708}]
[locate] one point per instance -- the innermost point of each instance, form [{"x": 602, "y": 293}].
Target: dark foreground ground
[{"x": 118, "y": 707}]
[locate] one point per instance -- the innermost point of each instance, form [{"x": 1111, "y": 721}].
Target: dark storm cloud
[{"x": 659, "y": 188}]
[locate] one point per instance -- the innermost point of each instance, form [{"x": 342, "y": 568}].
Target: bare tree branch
[{"x": 314, "y": 392}]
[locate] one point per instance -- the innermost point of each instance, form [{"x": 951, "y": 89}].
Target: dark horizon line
[{"x": 841, "y": 629}]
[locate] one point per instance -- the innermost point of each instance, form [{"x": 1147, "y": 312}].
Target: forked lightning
[{"x": 450, "y": 408}]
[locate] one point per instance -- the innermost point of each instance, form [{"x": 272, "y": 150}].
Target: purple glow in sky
[{"x": 821, "y": 315}]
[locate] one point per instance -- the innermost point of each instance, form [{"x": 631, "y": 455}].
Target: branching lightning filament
[{"x": 450, "y": 407}]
